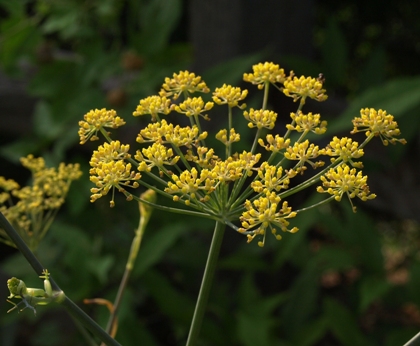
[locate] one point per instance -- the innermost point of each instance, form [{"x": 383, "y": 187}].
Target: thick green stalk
[
  {"x": 71, "y": 307},
  {"x": 206, "y": 283}
]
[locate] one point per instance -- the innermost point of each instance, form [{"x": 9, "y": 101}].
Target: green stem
[
  {"x": 145, "y": 213},
  {"x": 414, "y": 341},
  {"x": 206, "y": 283},
  {"x": 71, "y": 307}
]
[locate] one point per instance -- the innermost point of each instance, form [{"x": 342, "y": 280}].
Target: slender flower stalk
[
  {"x": 145, "y": 214},
  {"x": 206, "y": 284}
]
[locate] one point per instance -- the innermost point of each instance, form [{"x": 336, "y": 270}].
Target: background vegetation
[{"x": 343, "y": 279}]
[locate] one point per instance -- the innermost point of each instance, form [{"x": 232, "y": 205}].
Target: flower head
[
  {"x": 345, "y": 180},
  {"x": 229, "y": 95},
  {"x": 378, "y": 123},
  {"x": 265, "y": 73},
  {"x": 183, "y": 82},
  {"x": 303, "y": 87},
  {"x": 153, "y": 105},
  {"x": 345, "y": 149},
  {"x": 266, "y": 212},
  {"x": 31, "y": 209},
  {"x": 112, "y": 175},
  {"x": 95, "y": 121},
  {"x": 260, "y": 118},
  {"x": 304, "y": 152},
  {"x": 307, "y": 122},
  {"x": 194, "y": 107}
]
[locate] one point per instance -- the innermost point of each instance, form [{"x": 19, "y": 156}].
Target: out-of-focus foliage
[{"x": 344, "y": 278}]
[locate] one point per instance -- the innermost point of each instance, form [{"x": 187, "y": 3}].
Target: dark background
[{"x": 344, "y": 279}]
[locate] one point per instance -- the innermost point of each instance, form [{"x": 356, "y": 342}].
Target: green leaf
[
  {"x": 15, "y": 150},
  {"x": 332, "y": 257},
  {"x": 302, "y": 303},
  {"x": 373, "y": 73},
  {"x": 174, "y": 304},
  {"x": 44, "y": 124},
  {"x": 312, "y": 332},
  {"x": 334, "y": 53},
  {"x": 255, "y": 319},
  {"x": 154, "y": 247},
  {"x": 371, "y": 289},
  {"x": 343, "y": 324},
  {"x": 158, "y": 19}
]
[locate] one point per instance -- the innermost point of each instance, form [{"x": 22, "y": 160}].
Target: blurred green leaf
[
  {"x": 334, "y": 257},
  {"x": 44, "y": 124},
  {"x": 255, "y": 319},
  {"x": 157, "y": 14},
  {"x": 343, "y": 324},
  {"x": 334, "y": 54},
  {"x": 15, "y": 150},
  {"x": 372, "y": 289},
  {"x": 373, "y": 73},
  {"x": 312, "y": 332},
  {"x": 176, "y": 305},
  {"x": 155, "y": 245},
  {"x": 304, "y": 292},
  {"x": 19, "y": 37}
]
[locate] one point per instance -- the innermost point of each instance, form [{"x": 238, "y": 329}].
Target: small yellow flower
[
  {"x": 274, "y": 144},
  {"x": 260, "y": 118},
  {"x": 344, "y": 180},
  {"x": 163, "y": 132},
  {"x": 189, "y": 183},
  {"x": 229, "y": 95},
  {"x": 112, "y": 175},
  {"x": 263, "y": 213},
  {"x": 271, "y": 178},
  {"x": 183, "y": 83},
  {"x": 303, "y": 87},
  {"x": 205, "y": 157},
  {"x": 234, "y": 167},
  {"x": 153, "y": 105},
  {"x": 304, "y": 152},
  {"x": 307, "y": 122},
  {"x": 194, "y": 107},
  {"x": 222, "y": 136},
  {"x": 265, "y": 73},
  {"x": 156, "y": 155},
  {"x": 345, "y": 149},
  {"x": 107, "y": 152},
  {"x": 378, "y": 123},
  {"x": 95, "y": 120}
]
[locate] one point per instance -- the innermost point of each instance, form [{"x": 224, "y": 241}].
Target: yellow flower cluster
[
  {"x": 183, "y": 83},
  {"x": 378, "y": 123},
  {"x": 303, "y": 87},
  {"x": 345, "y": 180},
  {"x": 244, "y": 186},
  {"x": 264, "y": 74},
  {"x": 31, "y": 209},
  {"x": 96, "y": 120}
]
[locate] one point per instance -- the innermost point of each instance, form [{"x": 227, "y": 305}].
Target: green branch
[{"x": 71, "y": 307}]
